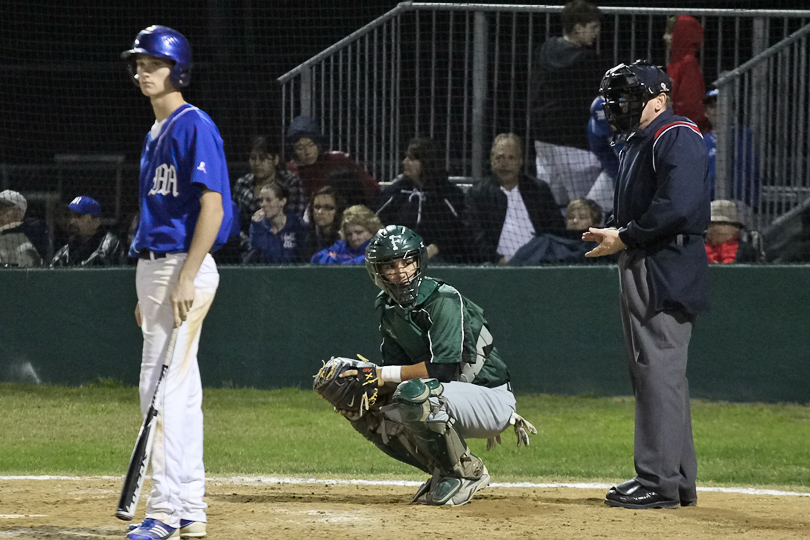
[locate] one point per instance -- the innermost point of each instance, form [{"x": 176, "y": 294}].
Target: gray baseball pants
[{"x": 657, "y": 344}]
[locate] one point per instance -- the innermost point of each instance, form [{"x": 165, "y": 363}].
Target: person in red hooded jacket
[{"x": 683, "y": 37}]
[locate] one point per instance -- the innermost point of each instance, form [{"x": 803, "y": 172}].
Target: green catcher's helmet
[{"x": 390, "y": 244}]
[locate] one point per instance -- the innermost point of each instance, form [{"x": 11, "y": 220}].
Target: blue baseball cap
[{"x": 85, "y": 205}]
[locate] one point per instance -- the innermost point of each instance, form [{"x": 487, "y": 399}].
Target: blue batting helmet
[{"x": 162, "y": 42}]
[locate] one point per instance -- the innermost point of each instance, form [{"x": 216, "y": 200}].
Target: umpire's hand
[{"x": 609, "y": 241}]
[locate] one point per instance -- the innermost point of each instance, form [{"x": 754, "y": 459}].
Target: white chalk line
[{"x": 259, "y": 480}]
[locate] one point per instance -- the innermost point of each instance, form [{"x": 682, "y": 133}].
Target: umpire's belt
[
  {"x": 150, "y": 255},
  {"x": 685, "y": 239}
]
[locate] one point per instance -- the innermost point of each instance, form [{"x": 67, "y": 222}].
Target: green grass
[{"x": 91, "y": 430}]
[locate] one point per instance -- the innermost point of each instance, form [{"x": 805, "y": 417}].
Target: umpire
[{"x": 661, "y": 210}]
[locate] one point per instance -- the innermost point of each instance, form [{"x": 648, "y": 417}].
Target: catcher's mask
[
  {"x": 627, "y": 89},
  {"x": 390, "y": 245}
]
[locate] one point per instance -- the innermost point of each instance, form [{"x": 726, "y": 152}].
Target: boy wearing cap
[
  {"x": 661, "y": 209},
  {"x": 16, "y": 249},
  {"x": 723, "y": 243},
  {"x": 89, "y": 244}
]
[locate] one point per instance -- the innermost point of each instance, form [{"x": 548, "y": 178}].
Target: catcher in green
[{"x": 441, "y": 379}]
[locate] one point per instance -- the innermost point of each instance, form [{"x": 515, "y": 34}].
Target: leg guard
[
  {"x": 457, "y": 473},
  {"x": 389, "y": 437}
]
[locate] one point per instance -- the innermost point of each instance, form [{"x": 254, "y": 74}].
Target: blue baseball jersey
[{"x": 184, "y": 158}]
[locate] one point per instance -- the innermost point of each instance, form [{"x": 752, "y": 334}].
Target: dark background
[{"x": 64, "y": 89}]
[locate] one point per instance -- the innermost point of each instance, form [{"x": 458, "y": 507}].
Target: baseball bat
[{"x": 133, "y": 481}]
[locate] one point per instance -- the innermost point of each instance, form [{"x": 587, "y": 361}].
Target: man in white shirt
[{"x": 509, "y": 208}]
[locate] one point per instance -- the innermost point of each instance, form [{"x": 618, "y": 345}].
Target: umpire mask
[{"x": 626, "y": 91}]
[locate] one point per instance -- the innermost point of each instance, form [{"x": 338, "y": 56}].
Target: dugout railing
[
  {"x": 461, "y": 73},
  {"x": 763, "y": 113}
]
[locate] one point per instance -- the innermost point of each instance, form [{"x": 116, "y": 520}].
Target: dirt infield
[{"x": 83, "y": 508}]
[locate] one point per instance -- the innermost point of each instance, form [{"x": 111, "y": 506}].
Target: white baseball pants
[{"x": 178, "y": 473}]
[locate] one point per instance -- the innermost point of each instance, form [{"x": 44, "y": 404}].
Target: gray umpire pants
[{"x": 657, "y": 344}]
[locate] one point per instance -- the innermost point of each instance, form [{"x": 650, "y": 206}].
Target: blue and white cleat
[
  {"x": 152, "y": 529},
  {"x": 192, "y": 529}
]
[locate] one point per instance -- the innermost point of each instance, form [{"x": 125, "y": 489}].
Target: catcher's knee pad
[{"x": 411, "y": 399}]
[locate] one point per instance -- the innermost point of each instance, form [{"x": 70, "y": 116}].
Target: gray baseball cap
[{"x": 13, "y": 198}]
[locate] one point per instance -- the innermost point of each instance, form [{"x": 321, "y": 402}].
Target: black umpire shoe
[{"x": 632, "y": 494}]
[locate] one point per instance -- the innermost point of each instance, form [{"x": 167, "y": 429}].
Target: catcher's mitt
[{"x": 357, "y": 393}]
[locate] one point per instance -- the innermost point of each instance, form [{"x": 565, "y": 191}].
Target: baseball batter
[
  {"x": 183, "y": 183},
  {"x": 450, "y": 382}
]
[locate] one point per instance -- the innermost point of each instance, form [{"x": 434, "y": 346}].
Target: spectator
[
  {"x": 566, "y": 78},
  {"x": 423, "y": 199},
  {"x": 723, "y": 243},
  {"x": 564, "y": 246},
  {"x": 683, "y": 37},
  {"x": 325, "y": 213},
  {"x": 264, "y": 169},
  {"x": 508, "y": 208},
  {"x": 744, "y": 159},
  {"x": 89, "y": 244},
  {"x": 359, "y": 225},
  {"x": 313, "y": 163},
  {"x": 16, "y": 249},
  {"x": 606, "y": 149},
  {"x": 582, "y": 214},
  {"x": 276, "y": 234}
]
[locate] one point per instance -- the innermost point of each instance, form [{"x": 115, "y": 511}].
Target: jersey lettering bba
[
  {"x": 184, "y": 157},
  {"x": 165, "y": 180}
]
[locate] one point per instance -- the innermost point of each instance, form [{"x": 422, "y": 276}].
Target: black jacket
[
  {"x": 486, "y": 204},
  {"x": 101, "y": 249},
  {"x": 662, "y": 202},
  {"x": 435, "y": 212},
  {"x": 565, "y": 80}
]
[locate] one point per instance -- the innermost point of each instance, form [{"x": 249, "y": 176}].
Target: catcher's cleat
[
  {"x": 450, "y": 491},
  {"x": 152, "y": 529},
  {"x": 468, "y": 488},
  {"x": 192, "y": 529}
]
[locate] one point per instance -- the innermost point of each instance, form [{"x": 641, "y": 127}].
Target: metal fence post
[
  {"x": 759, "y": 94},
  {"x": 479, "y": 95},
  {"x": 724, "y": 151},
  {"x": 306, "y": 92}
]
